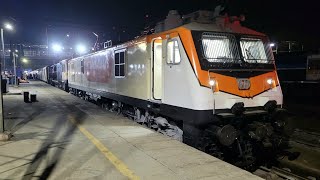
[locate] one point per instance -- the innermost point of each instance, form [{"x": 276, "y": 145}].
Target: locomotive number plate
[{"x": 243, "y": 83}]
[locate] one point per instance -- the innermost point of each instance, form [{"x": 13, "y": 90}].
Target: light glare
[
  {"x": 8, "y": 26},
  {"x": 212, "y": 82},
  {"x": 24, "y": 60},
  {"x": 269, "y": 81},
  {"x": 81, "y": 48},
  {"x": 56, "y": 47}
]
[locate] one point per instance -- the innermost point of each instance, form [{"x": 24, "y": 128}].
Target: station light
[
  {"x": 81, "y": 49},
  {"x": 272, "y": 44},
  {"x": 8, "y": 26},
  {"x": 24, "y": 60},
  {"x": 57, "y": 47},
  {"x": 16, "y": 51}
]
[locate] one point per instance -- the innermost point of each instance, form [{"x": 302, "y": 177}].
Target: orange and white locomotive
[{"x": 205, "y": 80}]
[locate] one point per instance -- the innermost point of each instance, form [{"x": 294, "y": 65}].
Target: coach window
[
  {"x": 119, "y": 64},
  {"x": 82, "y": 66},
  {"x": 62, "y": 67},
  {"x": 173, "y": 53},
  {"x": 73, "y": 76}
]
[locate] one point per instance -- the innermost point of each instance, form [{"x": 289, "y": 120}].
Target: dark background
[{"x": 280, "y": 19}]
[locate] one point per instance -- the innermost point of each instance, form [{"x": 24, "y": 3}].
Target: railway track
[
  {"x": 305, "y": 166},
  {"x": 307, "y": 138},
  {"x": 275, "y": 173}
]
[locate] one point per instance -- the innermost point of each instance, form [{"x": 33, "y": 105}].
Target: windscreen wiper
[{"x": 249, "y": 53}]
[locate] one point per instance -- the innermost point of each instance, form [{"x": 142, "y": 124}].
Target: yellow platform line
[{"x": 107, "y": 153}]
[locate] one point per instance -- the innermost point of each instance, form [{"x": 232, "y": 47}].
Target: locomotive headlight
[
  {"x": 269, "y": 81},
  {"x": 212, "y": 82}
]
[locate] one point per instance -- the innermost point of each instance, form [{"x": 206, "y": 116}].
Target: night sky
[{"x": 279, "y": 19}]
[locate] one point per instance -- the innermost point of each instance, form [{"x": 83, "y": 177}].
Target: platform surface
[{"x": 64, "y": 137}]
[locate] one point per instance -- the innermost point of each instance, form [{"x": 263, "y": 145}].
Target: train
[
  {"x": 313, "y": 68},
  {"x": 201, "y": 78},
  {"x": 299, "y": 72},
  {"x": 298, "y": 66}
]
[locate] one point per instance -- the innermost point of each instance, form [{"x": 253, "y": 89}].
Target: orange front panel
[
  {"x": 229, "y": 84},
  {"x": 225, "y": 83}
]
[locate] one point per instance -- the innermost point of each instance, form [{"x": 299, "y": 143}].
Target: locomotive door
[
  {"x": 175, "y": 90},
  {"x": 157, "y": 69}
]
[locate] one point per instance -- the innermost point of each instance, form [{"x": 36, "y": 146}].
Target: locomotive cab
[{"x": 224, "y": 86}]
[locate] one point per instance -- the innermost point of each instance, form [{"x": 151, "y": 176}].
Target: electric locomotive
[{"x": 201, "y": 78}]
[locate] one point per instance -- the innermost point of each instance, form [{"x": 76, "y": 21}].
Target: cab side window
[
  {"x": 173, "y": 53},
  {"x": 119, "y": 64}
]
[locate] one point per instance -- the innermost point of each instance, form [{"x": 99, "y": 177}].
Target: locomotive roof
[
  {"x": 228, "y": 28},
  {"x": 203, "y": 22}
]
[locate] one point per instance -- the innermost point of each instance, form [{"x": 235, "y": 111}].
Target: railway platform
[{"x": 64, "y": 137}]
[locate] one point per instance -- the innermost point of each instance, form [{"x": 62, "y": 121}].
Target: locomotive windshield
[
  {"x": 233, "y": 51},
  {"x": 219, "y": 48},
  {"x": 255, "y": 51}
]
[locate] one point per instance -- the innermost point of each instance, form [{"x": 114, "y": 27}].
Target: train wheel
[
  {"x": 105, "y": 106},
  {"x": 192, "y": 136}
]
